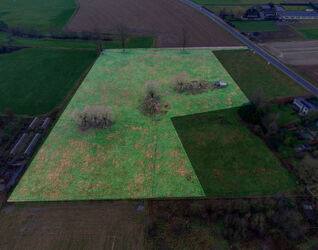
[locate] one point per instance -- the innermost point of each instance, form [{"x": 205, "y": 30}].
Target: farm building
[
  {"x": 290, "y": 15},
  {"x": 303, "y": 106}
]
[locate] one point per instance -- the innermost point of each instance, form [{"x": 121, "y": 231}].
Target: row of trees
[
  {"x": 98, "y": 117},
  {"x": 55, "y": 33}
]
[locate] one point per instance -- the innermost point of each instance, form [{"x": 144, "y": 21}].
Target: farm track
[{"x": 164, "y": 19}]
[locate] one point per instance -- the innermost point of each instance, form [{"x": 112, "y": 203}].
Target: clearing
[
  {"x": 252, "y": 26},
  {"x": 35, "y": 81},
  {"x": 139, "y": 157},
  {"x": 164, "y": 19},
  {"x": 228, "y": 159},
  {"x": 102, "y": 225},
  {"x": 252, "y": 72},
  {"x": 43, "y": 15}
]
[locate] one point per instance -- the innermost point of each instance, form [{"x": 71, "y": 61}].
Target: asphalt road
[{"x": 282, "y": 67}]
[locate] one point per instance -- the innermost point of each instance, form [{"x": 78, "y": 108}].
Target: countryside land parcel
[{"x": 138, "y": 157}]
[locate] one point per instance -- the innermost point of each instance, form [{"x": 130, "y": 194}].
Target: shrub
[
  {"x": 151, "y": 104},
  {"x": 100, "y": 117},
  {"x": 180, "y": 81}
]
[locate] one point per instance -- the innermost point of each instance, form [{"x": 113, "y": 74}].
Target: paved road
[{"x": 282, "y": 67}]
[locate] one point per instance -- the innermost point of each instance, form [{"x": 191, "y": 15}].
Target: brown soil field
[
  {"x": 89, "y": 225},
  {"x": 163, "y": 19},
  {"x": 310, "y": 72},
  {"x": 294, "y": 53}
]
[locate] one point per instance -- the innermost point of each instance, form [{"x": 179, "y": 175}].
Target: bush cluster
[
  {"x": 182, "y": 84},
  {"x": 242, "y": 219},
  {"x": 100, "y": 117},
  {"x": 151, "y": 104}
]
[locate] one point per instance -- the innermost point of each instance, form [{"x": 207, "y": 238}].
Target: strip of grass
[
  {"x": 35, "y": 81},
  {"x": 296, "y": 7},
  {"x": 227, "y": 158},
  {"x": 252, "y": 26},
  {"x": 132, "y": 42},
  {"x": 311, "y": 34},
  {"x": 251, "y": 72},
  {"x": 37, "y": 14},
  {"x": 139, "y": 157}
]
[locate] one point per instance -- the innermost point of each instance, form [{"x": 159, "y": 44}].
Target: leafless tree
[
  {"x": 122, "y": 30},
  {"x": 95, "y": 117},
  {"x": 184, "y": 37},
  {"x": 100, "y": 46}
]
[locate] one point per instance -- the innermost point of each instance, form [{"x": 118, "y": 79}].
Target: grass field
[
  {"x": 132, "y": 42},
  {"x": 296, "y": 7},
  {"x": 310, "y": 34},
  {"x": 35, "y": 81},
  {"x": 37, "y": 14},
  {"x": 138, "y": 157},
  {"x": 252, "y": 26},
  {"x": 227, "y": 158},
  {"x": 251, "y": 72},
  {"x": 106, "y": 225}
]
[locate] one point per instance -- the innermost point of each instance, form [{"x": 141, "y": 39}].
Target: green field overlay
[{"x": 138, "y": 157}]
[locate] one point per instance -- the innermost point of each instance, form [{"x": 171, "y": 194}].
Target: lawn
[
  {"x": 35, "y": 81},
  {"x": 36, "y": 13},
  {"x": 228, "y": 159},
  {"x": 310, "y": 34},
  {"x": 132, "y": 42},
  {"x": 252, "y": 26},
  {"x": 139, "y": 157},
  {"x": 286, "y": 113},
  {"x": 251, "y": 72}
]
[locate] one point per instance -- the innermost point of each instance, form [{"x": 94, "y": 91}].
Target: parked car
[{"x": 220, "y": 84}]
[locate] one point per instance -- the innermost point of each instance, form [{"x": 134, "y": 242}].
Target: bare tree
[
  {"x": 123, "y": 34},
  {"x": 95, "y": 117},
  {"x": 100, "y": 46},
  {"x": 184, "y": 37}
]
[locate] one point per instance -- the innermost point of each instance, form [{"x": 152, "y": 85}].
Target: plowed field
[{"x": 164, "y": 19}]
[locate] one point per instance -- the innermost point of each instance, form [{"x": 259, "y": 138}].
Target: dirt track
[
  {"x": 161, "y": 18},
  {"x": 294, "y": 53}
]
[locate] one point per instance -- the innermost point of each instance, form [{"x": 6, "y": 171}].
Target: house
[
  {"x": 302, "y": 148},
  {"x": 293, "y": 15},
  {"x": 220, "y": 84},
  {"x": 252, "y": 14},
  {"x": 309, "y": 211},
  {"x": 303, "y": 106}
]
